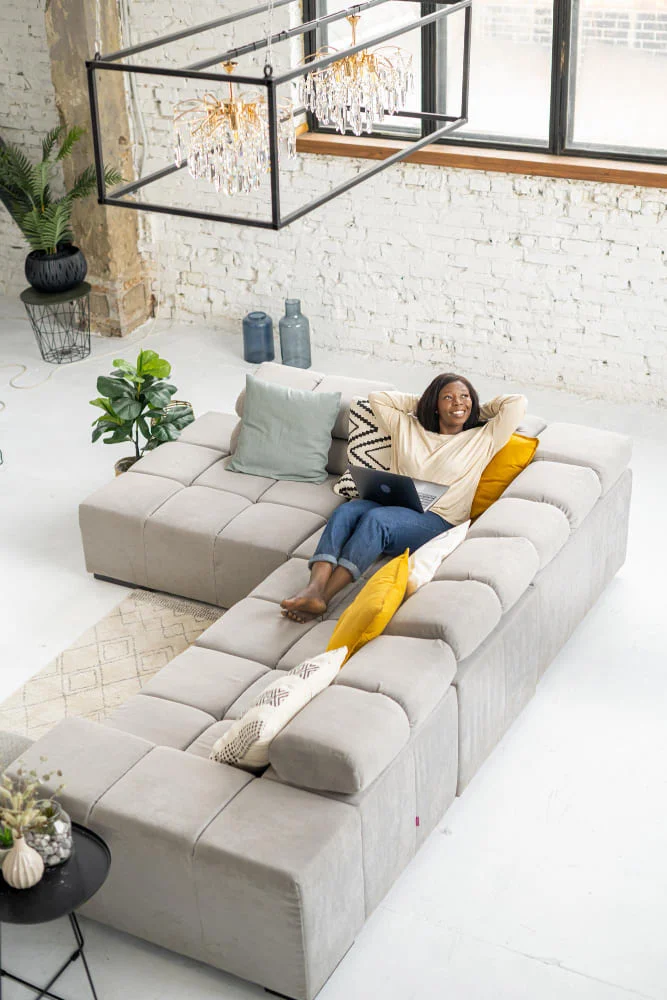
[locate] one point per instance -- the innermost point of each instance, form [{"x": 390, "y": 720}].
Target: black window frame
[{"x": 561, "y": 105}]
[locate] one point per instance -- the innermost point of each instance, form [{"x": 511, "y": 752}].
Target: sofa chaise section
[
  {"x": 269, "y": 877},
  {"x": 180, "y": 522}
]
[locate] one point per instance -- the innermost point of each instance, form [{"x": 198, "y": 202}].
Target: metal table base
[{"x": 45, "y": 991}]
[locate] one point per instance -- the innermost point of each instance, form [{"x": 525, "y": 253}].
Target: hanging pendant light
[
  {"x": 356, "y": 91},
  {"x": 234, "y": 138},
  {"x": 226, "y": 141}
]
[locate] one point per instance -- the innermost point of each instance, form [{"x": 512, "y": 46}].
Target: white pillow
[
  {"x": 246, "y": 742},
  {"x": 425, "y": 561}
]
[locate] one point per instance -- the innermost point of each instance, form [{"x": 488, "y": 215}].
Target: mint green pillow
[{"x": 285, "y": 433}]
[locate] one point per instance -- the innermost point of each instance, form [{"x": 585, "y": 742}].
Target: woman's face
[{"x": 454, "y": 405}]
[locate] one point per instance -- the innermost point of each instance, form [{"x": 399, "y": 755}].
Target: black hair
[{"x": 427, "y": 407}]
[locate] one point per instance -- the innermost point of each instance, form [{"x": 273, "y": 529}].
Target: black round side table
[
  {"x": 61, "y": 322},
  {"x": 61, "y": 891}
]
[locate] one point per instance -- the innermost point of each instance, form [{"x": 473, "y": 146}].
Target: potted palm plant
[{"x": 54, "y": 264}]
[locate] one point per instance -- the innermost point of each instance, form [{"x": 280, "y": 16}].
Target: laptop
[{"x": 393, "y": 490}]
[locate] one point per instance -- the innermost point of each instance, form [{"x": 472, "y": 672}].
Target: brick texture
[{"x": 555, "y": 282}]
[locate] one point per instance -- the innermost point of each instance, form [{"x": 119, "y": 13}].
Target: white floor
[{"x": 547, "y": 880}]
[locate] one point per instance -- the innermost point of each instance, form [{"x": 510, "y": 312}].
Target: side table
[
  {"x": 60, "y": 322},
  {"x": 61, "y": 891}
]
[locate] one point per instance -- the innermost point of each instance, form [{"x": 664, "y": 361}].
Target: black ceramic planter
[{"x": 56, "y": 272}]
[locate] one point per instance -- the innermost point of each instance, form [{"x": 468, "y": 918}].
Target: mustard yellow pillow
[
  {"x": 373, "y": 607},
  {"x": 501, "y": 470}
]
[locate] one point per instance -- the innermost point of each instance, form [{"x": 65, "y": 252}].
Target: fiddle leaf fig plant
[{"x": 136, "y": 402}]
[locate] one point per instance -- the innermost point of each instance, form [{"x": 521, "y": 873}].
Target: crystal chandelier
[
  {"x": 226, "y": 141},
  {"x": 234, "y": 139},
  {"x": 359, "y": 89}
]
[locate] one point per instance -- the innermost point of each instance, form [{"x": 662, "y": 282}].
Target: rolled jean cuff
[
  {"x": 350, "y": 567},
  {"x": 322, "y": 557},
  {"x": 345, "y": 563}
]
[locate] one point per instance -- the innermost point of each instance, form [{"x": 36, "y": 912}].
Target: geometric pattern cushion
[
  {"x": 246, "y": 743},
  {"x": 367, "y": 446}
]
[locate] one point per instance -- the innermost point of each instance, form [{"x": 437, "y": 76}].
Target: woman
[{"x": 444, "y": 437}]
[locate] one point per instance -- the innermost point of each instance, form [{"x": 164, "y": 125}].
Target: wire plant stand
[{"x": 60, "y": 322}]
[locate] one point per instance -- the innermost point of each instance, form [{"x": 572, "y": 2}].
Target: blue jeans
[{"x": 360, "y": 531}]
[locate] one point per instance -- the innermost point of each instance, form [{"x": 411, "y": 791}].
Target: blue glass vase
[
  {"x": 258, "y": 338},
  {"x": 295, "y": 336}
]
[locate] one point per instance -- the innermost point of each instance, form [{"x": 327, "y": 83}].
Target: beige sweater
[{"x": 455, "y": 460}]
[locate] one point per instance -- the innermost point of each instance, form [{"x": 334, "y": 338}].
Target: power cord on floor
[{"x": 91, "y": 357}]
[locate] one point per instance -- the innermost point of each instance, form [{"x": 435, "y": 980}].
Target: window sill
[{"x": 503, "y": 161}]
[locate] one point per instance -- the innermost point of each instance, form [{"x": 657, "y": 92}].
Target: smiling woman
[
  {"x": 443, "y": 436},
  {"x": 446, "y": 436}
]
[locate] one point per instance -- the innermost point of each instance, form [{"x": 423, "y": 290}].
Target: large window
[
  {"x": 618, "y": 76},
  {"x": 577, "y": 77}
]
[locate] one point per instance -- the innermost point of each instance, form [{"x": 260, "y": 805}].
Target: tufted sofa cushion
[
  {"x": 607, "y": 453},
  {"x": 176, "y": 460},
  {"x": 507, "y": 565},
  {"x": 415, "y": 673},
  {"x": 574, "y": 489},
  {"x": 205, "y": 679},
  {"x": 544, "y": 525},
  {"x": 210, "y": 430},
  {"x": 341, "y": 741},
  {"x": 460, "y": 613}
]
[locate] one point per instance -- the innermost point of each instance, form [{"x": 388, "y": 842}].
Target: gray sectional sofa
[{"x": 271, "y": 877}]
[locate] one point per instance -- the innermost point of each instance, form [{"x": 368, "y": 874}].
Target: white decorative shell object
[{"x": 23, "y": 867}]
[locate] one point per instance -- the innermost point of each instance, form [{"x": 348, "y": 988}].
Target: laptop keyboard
[{"x": 426, "y": 499}]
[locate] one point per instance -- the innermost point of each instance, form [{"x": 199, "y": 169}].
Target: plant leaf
[
  {"x": 84, "y": 184},
  {"x": 115, "y": 388},
  {"x": 108, "y": 423},
  {"x": 165, "y": 432},
  {"x": 125, "y": 366},
  {"x": 112, "y": 176},
  {"x": 117, "y": 437},
  {"x": 17, "y": 180},
  {"x": 44, "y": 230},
  {"x": 127, "y": 407},
  {"x": 178, "y": 417},
  {"x": 159, "y": 394},
  {"x": 144, "y": 429},
  {"x": 101, "y": 402},
  {"x": 50, "y": 139},
  {"x": 70, "y": 139},
  {"x": 150, "y": 363}
]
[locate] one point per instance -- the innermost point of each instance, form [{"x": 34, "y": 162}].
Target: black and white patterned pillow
[
  {"x": 246, "y": 742},
  {"x": 367, "y": 446}
]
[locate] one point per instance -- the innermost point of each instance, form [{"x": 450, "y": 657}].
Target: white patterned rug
[{"x": 107, "y": 664}]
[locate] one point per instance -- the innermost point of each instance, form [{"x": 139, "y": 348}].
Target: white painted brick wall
[
  {"x": 557, "y": 282},
  {"x": 27, "y": 110},
  {"x": 491, "y": 274}
]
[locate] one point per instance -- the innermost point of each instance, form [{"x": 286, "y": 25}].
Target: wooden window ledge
[{"x": 503, "y": 161}]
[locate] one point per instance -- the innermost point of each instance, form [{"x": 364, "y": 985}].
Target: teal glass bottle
[
  {"x": 294, "y": 336},
  {"x": 258, "y": 338}
]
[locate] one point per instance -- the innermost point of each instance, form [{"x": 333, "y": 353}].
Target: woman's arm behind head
[{"x": 503, "y": 415}]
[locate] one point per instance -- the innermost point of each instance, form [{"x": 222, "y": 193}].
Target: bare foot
[{"x": 304, "y": 606}]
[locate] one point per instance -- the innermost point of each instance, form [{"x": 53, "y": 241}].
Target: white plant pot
[{"x": 23, "y": 867}]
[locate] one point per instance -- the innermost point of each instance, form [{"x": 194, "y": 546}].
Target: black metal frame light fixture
[{"x": 440, "y": 124}]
